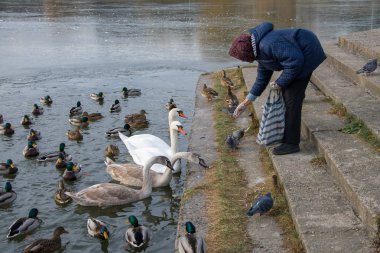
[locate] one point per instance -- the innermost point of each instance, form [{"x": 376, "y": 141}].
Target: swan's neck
[
  {"x": 171, "y": 116},
  {"x": 147, "y": 180},
  {"x": 173, "y": 140}
]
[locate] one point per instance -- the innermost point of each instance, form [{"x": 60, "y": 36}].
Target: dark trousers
[{"x": 294, "y": 95}]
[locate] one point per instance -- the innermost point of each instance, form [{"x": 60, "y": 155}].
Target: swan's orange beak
[
  {"x": 180, "y": 129},
  {"x": 181, "y": 114}
]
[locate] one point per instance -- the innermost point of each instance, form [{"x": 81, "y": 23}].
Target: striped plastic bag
[{"x": 272, "y": 123}]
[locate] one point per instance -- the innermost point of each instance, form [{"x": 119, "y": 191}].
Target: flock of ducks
[{"x": 154, "y": 164}]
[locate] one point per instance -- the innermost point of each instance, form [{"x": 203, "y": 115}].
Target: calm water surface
[{"x": 69, "y": 50}]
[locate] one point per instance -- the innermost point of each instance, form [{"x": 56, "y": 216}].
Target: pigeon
[
  {"x": 233, "y": 139},
  {"x": 368, "y": 68},
  {"x": 261, "y": 205}
]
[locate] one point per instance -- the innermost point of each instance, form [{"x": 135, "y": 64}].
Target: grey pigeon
[
  {"x": 261, "y": 205},
  {"x": 233, "y": 139},
  {"x": 369, "y": 67}
]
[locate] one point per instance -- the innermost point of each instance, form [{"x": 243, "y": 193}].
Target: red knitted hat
[{"x": 241, "y": 48}]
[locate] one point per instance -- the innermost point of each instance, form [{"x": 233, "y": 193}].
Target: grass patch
[{"x": 318, "y": 161}]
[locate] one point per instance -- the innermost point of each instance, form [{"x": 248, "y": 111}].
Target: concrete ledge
[
  {"x": 321, "y": 212},
  {"x": 356, "y": 100},
  {"x": 348, "y": 64},
  {"x": 366, "y": 43}
]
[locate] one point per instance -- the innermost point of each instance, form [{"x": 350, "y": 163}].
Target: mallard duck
[
  {"x": 111, "y": 151},
  {"x": 191, "y": 242},
  {"x": 209, "y": 93},
  {"x": 37, "y": 110},
  {"x": 46, "y": 100},
  {"x": 231, "y": 99},
  {"x": 92, "y": 116},
  {"x": 54, "y": 155},
  {"x": 97, "y": 97},
  {"x": 226, "y": 81},
  {"x": 116, "y": 106},
  {"x": 1, "y": 119},
  {"x": 76, "y": 110},
  {"x": 26, "y": 121},
  {"x": 8, "y": 195},
  {"x": 60, "y": 197},
  {"x": 34, "y": 135},
  {"x": 61, "y": 162},
  {"x": 108, "y": 194},
  {"x": 131, "y": 174},
  {"x": 7, "y": 129},
  {"x": 97, "y": 228},
  {"x": 31, "y": 150},
  {"x": 137, "y": 235},
  {"x": 74, "y": 135},
  {"x": 126, "y": 130},
  {"x": 72, "y": 172},
  {"x": 137, "y": 120},
  {"x": 80, "y": 121},
  {"x": 8, "y": 168},
  {"x": 131, "y": 92},
  {"x": 47, "y": 245},
  {"x": 24, "y": 225},
  {"x": 170, "y": 105}
]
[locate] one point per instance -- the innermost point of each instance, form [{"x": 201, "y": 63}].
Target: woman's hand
[{"x": 241, "y": 108}]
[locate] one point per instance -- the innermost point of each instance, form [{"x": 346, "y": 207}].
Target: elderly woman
[{"x": 295, "y": 52}]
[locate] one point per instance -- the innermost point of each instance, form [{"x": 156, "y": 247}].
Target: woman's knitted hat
[{"x": 241, "y": 48}]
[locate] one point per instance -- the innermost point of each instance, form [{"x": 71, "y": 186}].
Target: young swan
[
  {"x": 108, "y": 194},
  {"x": 131, "y": 174}
]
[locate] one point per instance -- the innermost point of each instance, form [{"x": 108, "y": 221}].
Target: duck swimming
[
  {"x": 97, "y": 96},
  {"x": 31, "y": 150},
  {"x": 47, "y": 245},
  {"x": 111, "y": 151},
  {"x": 60, "y": 197},
  {"x": 25, "y": 121},
  {"x": 8, "y": 168},
  {"x": 74, "y": 135},
  {"x": 137, "y": 120},
  {"x": 24, "y": 225},
  {"x": 6, "y": 129},
  {"x": 97, "y": 228},
  {"x": 191, "y": 242},
  {"x": 76, "y": 110},
  {"x": 131, "y": 92},
  {"x": 54, "y": 155},
  {"x": 131, "y": 174},
  {"x": 137, "y": 235},
  {"x": 8, "y": 195},
  {"x": 116, "y": 106},
  {"x": 92, "y": 116},
  {"x": 72, "y": 172},
  {"x": 170, "y": 105},
  {"x": 80, "y": 121},
  {"x": 1, "y": 119},
  {"x": 37, "y": 110},
  {"x": 108, "y": 194},
  {"x": 126, "y": 130},
  {"x": 46, "y": 100},
  {"x": 33, "y": 135}
]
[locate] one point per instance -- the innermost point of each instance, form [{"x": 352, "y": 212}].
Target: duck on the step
[
  {"x": 368, "y": 68},
  {"x": 208, "y": 93},
  {"x": 226, "y": 81}
]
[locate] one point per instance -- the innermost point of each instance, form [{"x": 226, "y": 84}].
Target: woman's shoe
[{"x": 285, "y": 149}]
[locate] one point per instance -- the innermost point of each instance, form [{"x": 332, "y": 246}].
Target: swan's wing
[
  {"x": 128, "y": 174},
  {"x": 142, "y": 155},
  {"x": 142, "y": 141}
]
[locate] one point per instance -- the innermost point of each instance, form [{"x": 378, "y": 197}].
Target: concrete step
[
  {"x": 355, "y": 98},
  {"x": 323, "y": 215},
  {"x": 366, "y": 43},
  {"x": 348, "y": 64}
]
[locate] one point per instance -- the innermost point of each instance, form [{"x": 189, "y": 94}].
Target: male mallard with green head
[
  {"x": 61, "y": 162},
  {"x": 31, "y": 150},
  {"x": 92, "y": 116},
  {"x": 126, "y": 130},
  {"x": 37, "y": 110},
  {"x": 97, "y": 96},
  {"x": 60, "y": 197},
  {"x": 8, "y": 195},
  {"x": 116, "y": 106},
  {"x": 25, "y": 224},
  {"x": 34, "y": 135},
  {"x": 191, "y": 243},
  {"x": 80, "y": 121},
  {"x": 46, "y": 100},
  {"x": 54, "y": 155},
  {"x": 131, "y": 92},
  {"x": 74, "y": 135},
  {"x": 72, "y": 172},
  {"x": 76, "y": 110},
  {"x": 208, "y": 92},
  {"x": 97, "y": 228},
  {"x": 25, "y": 121},
  {"x": 6, "y": 129},
  {"x": 47, "y": 245},
  {"x": 8, "y": 168},
  {"x": 137, "y": 235}
]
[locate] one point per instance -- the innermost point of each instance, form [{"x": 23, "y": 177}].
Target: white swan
[
  {"x": 131, "y": 174},
  {"x": 143, "y": 146},
  {"x": 107, "y": 194}
]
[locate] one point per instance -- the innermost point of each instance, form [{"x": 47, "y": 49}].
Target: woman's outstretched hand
[{"x": 241, "y": 108}]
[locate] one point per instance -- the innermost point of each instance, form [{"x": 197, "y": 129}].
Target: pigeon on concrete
[
  {"x": 261, "y": 205},
  {"x": 368, "y": 68},
  {"x": 233, "y": 139}
]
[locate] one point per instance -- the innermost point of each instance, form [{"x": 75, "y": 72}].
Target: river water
[{"x": 69, "y": 49}]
